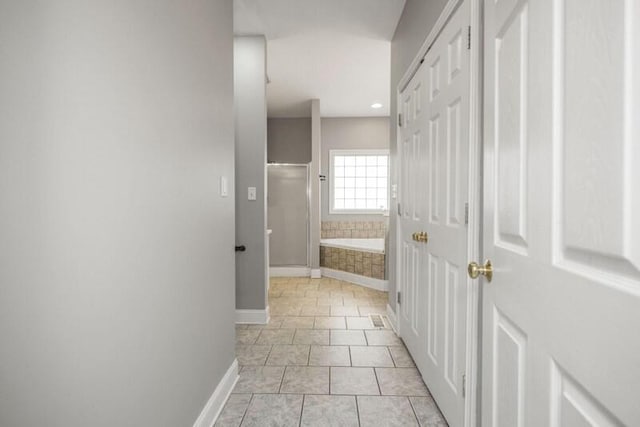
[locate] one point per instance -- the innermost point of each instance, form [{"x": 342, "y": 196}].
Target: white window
[{"x": 358, "y": 181}]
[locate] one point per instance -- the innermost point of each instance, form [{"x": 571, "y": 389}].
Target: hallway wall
[
  {"x": 250, "y": 103},
  {"x": 289, "y": 140},
  {"x": 416, "y": 22},
  {"x": 116, "y": 267}
]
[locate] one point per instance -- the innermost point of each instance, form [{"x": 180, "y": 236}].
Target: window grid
[{"x": 360, "y": 181}]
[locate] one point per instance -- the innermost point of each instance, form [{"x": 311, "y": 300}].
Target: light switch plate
[
  {"x": 251, "y": 193},
  {"x": 224, "y": 187}
]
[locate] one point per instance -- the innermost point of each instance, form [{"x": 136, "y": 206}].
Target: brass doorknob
[
  {"x": 421, "y": 236},
  {"x": 476, "y": 270}
]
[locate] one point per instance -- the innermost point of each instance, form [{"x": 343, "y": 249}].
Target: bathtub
[
  {"x": 375, "y": 246},
  {"x": 362, "y": 260}
]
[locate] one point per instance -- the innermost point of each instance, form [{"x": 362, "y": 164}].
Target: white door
[
  {"x": 412, "y": 149},
  {"x": 561, "y": 345},
  {"x": 434, "y": 153}
]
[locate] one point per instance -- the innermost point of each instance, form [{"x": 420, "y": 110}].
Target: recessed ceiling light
[{"x": 376, "y": 105}]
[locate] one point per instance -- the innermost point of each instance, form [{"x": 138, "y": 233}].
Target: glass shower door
[{"x": 287, "y": 214}]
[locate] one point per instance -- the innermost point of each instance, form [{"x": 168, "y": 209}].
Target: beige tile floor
[{"x": 321, "y": 362}]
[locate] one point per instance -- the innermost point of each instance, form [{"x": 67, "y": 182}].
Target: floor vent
[{"x": 377, "y": 320}]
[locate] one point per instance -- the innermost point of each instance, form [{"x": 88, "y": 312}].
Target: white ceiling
[{"x": 335, "y": 50}]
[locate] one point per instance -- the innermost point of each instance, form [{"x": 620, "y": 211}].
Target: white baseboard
[
  {"x": 216, "y": 402},
  {"x": 316, "y": 273},
  {"x": 369, "y": 282},
  {"x": 289, "y": 271},
  {"x": 260, "y": 317},
  {"x": 391, "y": 315}
]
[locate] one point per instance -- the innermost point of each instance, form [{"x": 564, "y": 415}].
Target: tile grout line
[
  {"x": 268, "y": 354},
  {"x": 284, "y": 372},
  {"x": 395, "y": 365},
  {"x": 427, "y": 396},
  {"x": 375, "y": 372},
  {"x": 244, "y": 414},
  {"x": 414, "y": 410},
  {"x": 301, "y": 411},
  {"x": 357, "y": 410}
]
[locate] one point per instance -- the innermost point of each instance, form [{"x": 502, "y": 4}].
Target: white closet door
[
  {"x": 434, "y": 181},
  {"x": 562, "y": 213}
]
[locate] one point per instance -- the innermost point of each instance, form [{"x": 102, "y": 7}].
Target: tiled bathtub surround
[
  {"x": 363, "y": 263},
  {"x": 353, "y": 229},
  {"x": 321, "y": 362}
]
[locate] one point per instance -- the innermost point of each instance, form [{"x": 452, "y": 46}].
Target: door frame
[{"x": 474, "y": 230}]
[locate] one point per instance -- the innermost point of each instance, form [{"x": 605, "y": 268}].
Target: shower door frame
[{"x": 308, "y": 207}]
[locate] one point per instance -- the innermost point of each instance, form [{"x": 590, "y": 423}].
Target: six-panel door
[
  {"x": 562, "y": 213},
  {"x": 434, "y": 141}
]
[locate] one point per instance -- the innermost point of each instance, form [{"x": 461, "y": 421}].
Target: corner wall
[
  {"x": 116, "y": 267},
  {"x": 250, "y": 101},
  {"x": 416, "y": 22},
  {"x": 289, "y": 140},
  {"x": 350, "y": 133}
]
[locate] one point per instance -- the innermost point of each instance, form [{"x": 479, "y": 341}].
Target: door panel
[
  {"x": 435, "y": 147},
  {"x": 561, "y": 213},
  {"x": 412, "y": 311}
]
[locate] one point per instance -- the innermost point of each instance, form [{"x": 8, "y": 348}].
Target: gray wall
[
  {"x": 416, "y": 22},
  {"x": 350, "y": 133},
  {"x": 289, "y": 140},
  {"x": 116, "y": 268},
  {"x": 251, "y": 158}
]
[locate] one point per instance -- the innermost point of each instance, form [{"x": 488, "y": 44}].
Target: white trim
[
  {"x": 289, "y": 271},
  {"x": 474, "y": 302},
  {"x": 369, "y": 282},
  {"x": 447, "y": 12},
  {"x": 214, "y": 405},
  {"x": 316, "y": 273},
  {"x": 258, "y": 317},
  {"x": 391, "y": 315}
]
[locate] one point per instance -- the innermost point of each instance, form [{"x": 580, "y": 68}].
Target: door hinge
[
  {"x": 398, "y": 297},
  {"x": 464, "y": 385},
  {"x": 466, "y": 213},
  {"x": 399, "y": 210},
  {"x": 400, "y": 120},
  {"x": 469, "y": 37}
]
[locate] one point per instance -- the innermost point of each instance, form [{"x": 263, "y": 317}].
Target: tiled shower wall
[
  {"x": 353, "y": 229},
  {"x": 363, "y": 263}
]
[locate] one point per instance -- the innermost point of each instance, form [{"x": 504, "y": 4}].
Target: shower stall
[{"x": 288, "y": 214}]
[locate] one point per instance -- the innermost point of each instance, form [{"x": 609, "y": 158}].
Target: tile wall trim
[{"x": 353, "y": 229}]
